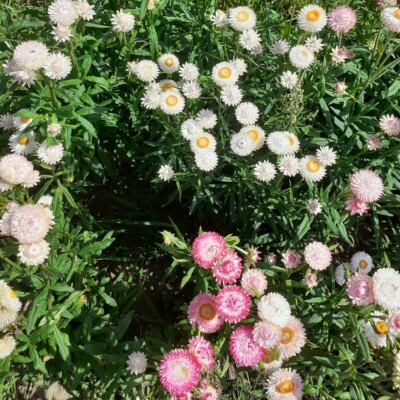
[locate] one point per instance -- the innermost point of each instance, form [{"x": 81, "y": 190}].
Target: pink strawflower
[
  {"x": 366, "y": 185},
  {"x": 285, "y": 384},
  {"x": 203, "y": 351},
  {"x": 340, "y": 87},
  {"x": 293, "y": 338},
  {"x": 355, "y": 206},
  {"x": 207, "y": 248},
  {"x": 233, "y": 304},
  {"x": 342, "y": 19},
  {"x": 244, "y": 350},
  {"x": 339, "y": 55},
  {"x": 394, "y": 323},
  {"x": 373, "y": 143},
  {"x": 203, "y": 313},
  {"x": 291, "y": 259},
  {"x": 228, "y": 268},
  {"x": 311, "y": 280},
  {"x": 206, "y": 391},
  {"x": 386, "y": 3},
  {"x": 15, "y": 169},
  {"x": 317, "y": 255},
  {"x": 254, "y": 282},
  {"x": 360, "y": 289},
  {"x": 185, "y": 396},
  {"x": 253, "y": 255},
  {"x": 390, "y": 124},
  {"x": 266, "y": 334},
  {"x": 271, "y": 259},
  {"x": 179, "y": 372}
]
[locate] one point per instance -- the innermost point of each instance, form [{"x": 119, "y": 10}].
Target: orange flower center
[
  {"x": 23, "y": 140},
  {"x": 363, "y": 264},
  {"x": 313, "y": 166},
  {"x": 12, "y": 294},
  {"x": 171, "y": 100},
  {"x": 268, "y": 356},
  {"x": 166, "y": 87},
  {"x": 25, "y": 120},
  {"x": 243, "y": 16},
  {"x": 381, "y": 327},
  {"x": 291, "y": 141},
  {"x": 207, "y": 312},
  {"x": 253, "y": 134},
  {"x": 288, "y": 334},
  {"x": 285, "y": 386},
  {"x": 225, "y": 73},
  {"x": 169, "y": 62},
  {"x": 203, "y": 142},
  {"x": 313, "y": 15},
  {"x": 397, "y": 13}
]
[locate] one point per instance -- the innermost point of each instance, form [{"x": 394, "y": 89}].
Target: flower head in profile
[{"x": 355, "y": 206}]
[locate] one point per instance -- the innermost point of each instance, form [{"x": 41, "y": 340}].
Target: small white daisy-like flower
[
  {"x": 242, "y": 18},
  {"x": 151, "y": 99},
  {"x": 20, "y": 122},
  {"x": 312, "y": 18},
  {"x": 61, "y": 33},
  {"x": 361, "y": 262},
  {"x": 390, "y": 124},
  {"x": 131, "y": 67},
  {"x": 376, "y": 332},
  {"x": 45, "y": 201},
  {"x": 250, "y": 40},
  {"x": 289, "y": 165},
  {"x": 122, "y": 22},
  {"x": 224, "y": 73},
  {"x": 247, "y": 113},
  {"x": 242, "y": 144},
  {"x": 231, "y": 95},
  {"x": 202, "y": 141},
  {"x": 189, "y": 72},
  {"x": 206, "y": 160},
  {"x": 314, "y": 206},
  {"x": 283, "y": 142},
  {"x": 50, "y": 154},
  {"x": 314, "y": 44},
  {"x": 168, "y": 63},
  {"x": 206, "y": 119},
  {"x": 137, "y": 363},
  {"x": 387, "y": 288},
  {"x": 301, "y": 57},
  {"x": 256, "y": 133},
  {"x": 311, "y": 169},
  {"x": 7, "y": 122},
  {"x": 275, "y": 308},
  {"x": 57, "y": 66},
  {"x": 265, "y": 171},
  {"x": 63, "y": 12},
  {"x": 280, "y": 47},
  {"x": 54, "y": 129},
  {"x": 191, "y": 89},
  {"x": 326, "y": 156},
  {"x": 34, "y": 253},
  {"x": 390, "y": 17},
  {"x": 85, "y": 10},
  {"x": 219, "y": 19},
  {"x": 189, "y": 128},
  {"x": 147, "y": 70},
  {"x": 240, "y": 65},
  {"x": 289, "y": 79},
  {"x": 166, "y": 173},
  {"x": 172, "y": 103},
  {"x": 31, "y": 55},
  {"x": 23, "y": 143},
  {"x": 7, "y": 345}
]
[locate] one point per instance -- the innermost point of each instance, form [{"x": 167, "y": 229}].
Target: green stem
[{"x": 71, "y": 53}]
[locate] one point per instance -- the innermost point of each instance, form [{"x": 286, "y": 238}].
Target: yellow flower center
[
  {"x": 304, "y": 53},
  {"x": 397, "y": 13},
  {"x": 313, "y": 166},
  {"x": 166, "y": 87},
  {"x": 23, "y": 140},
  {"x": 243, "y": 16},
  {"x": 171, "y": 100},
  {"x": 12, "y": 294},
  {"x": 169, "y": 62},
  {"x": 207, "y": 312},
  {"x": 253, "y": 134},
  {"x": 147, "y": 69},
  {"x": 363, "y": 264},
  {"x": 225, "y": 73},
  {"x": 182, "y": 372},
  {"x": 291, "y": 141},
  {"x": 288, "y": 334},
  {"x": 25, "y": 120},
  {"x": 381, "y": 327},
  {"x": 313, "y": 15},
  {"x": 203, "y": 142},
  {"x": 268, "y": 356},
  {"x": 285, "y": 386}
]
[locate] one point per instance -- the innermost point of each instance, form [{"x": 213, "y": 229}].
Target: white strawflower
[
  {"x": 7, "y": 345},
  {"x": 206, "y": 119},
  {"x": 63, "y": 12},
  {"x": 202, "y": 141},
  {"x": 283, "y": 142},
  {"x": 256, "y": 133},
  {"x": 314, "y": 206},
  {"x": 172, "y": 103},
  {"x": 57, "y": 66},
  {"x": 275, "y": 308},
  {"x": 390, "y": 17},
  {"x": 137, "y": 363},
  {"x": 34, "y": 253},
  {"x": 340, "y": 274},
  {"x": 4, "y": 187},
  {"x": 32, "y": 180},
  {"x": 376, "y": 333},
  {"x": 50, "y": 154},
  {"x": 242, "y": 18},
  {"x": 22, "y": 143},
  {"x": 9, "y": 305},
  {"x": 189, "y": 128},
  {"x": 326, "y": 156},
  {"x": 240, "y": 65},
  {"x": 122, "y": 22},
  {"x": 387, "y": 288},
  {"x": 7, "y": 122},
  {"x": 147, "y": 70},
  {"x": 250, "y": 39},
  {"x": 231, "y": 95},
  {"x": 15, "y": 169},
  {"x": 289, "y": 79},
  {"x": 5, "y": 221},
  {"x": 312, "y": 18},
  {"x": 265, "y": 171},
  {"x": 280, "y": 47},
  {"x": 31, "y": 55},
  {"x": 206, "y": 160},
  {"x": 166, "y": 85},
  {"x": 242, "y": 144},
  {"x": 54, "y": 129},
  {"x": 61, "y": 33},
  {"x": 314, "y": 44},
  {"x": 24, "y": 77},
  {"x": 301, "y": 57},
  {"x": 311, "y": 169},
  {"x": 131, "y": 67},
  {"x": 151, "y": 99},
  {"x": 151, "y": 5},
  {"x": 20, "y": 123},
  {"x": 166, "y": 173},
  {"x": 361, "y": 262},
  {"x": 168, "y": 63},
  {"x": 191, "y": 89},
  {"x": 257, "y": 49},
  {"x": 85, "y": 10},
  {"x": 247, "y": 113},
  {"x": 219, "y": 19},
  {"x": 224, "y": 73},
  {"x": 289, "y": 165},
  {"x": 189, "y": 72},
  {"x": 45, "y": 201}
]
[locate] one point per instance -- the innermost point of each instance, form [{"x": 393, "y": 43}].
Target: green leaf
[{"x": 62, "y": 343}]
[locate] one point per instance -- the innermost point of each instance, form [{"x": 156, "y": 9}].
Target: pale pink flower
[
  {"x": 31, "y": 55},
  {"x": 206, "y": 391},
  {"x": 253, "y": 255},
  {"x": 291, "y": 259},
  {"x": 340, "y": 87},
  {"x": 271, "y": 259},
  {"x": 203, "y": 351},
  {"x": 311, "y": 280},
  {"x": 254, "y": 282},
  {"x": 15, "y": 169},
  {"x": 360, "y": 289},
  {"x": 227, "y": 268},
  {"x": 207, "y": 248},
  {"x": 366, "y": 185},
  {"x": 317, "y": 255},
  {"x": 340, "y": 55},
  {"x": 342, "y": 19},
  {"x": 293, "y": 338},
  {"x": 285, "y": 384},
  {"x": 355, "y": 206},
  {"x": 64, "y": 12},
  {"x": 233, "y": 304},
  {"x": 373, "y": 143},
  {"x": 266, "y": 334},
  {"x": 390, "y": 124}
]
